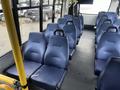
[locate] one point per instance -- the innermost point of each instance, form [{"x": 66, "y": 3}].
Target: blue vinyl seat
[
  {"x": 109, "y": 78},
  {"x": 100, "y": 14},
  {"x": 81, "y": 22},
  {"x": 102, "y": 20},
  {"x": 51, "y": 28},
  {"x": 61, "y": 22},
  {"x": 68, "y": 17},
  {"x": 78, "y": 27},
  {"x": 51, "y": 75},
  {"x": 78, "y": 23},
  {"x": 108, "y": 15},
  {"x": 33, "y": 53},
  {"x": 109, "y": 46},
  {"x": 70, "y": 32},
  {"x": 103, "y": 29}
]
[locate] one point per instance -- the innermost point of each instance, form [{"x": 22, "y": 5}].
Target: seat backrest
[
  {"x": 117, "y": 24},
  {"x": 109, "y": 46},
  {"x": 81, "y": 22},
  {"x": 70, "y": 32},
  {"x": 35, "y": 47},
  {"x": 112, "y": 16},
  {"x": 57, "y": 53},
  {"x": 61, "y": 22},
  {"x": 68, "y": 17},
  {"x": 100, "y": 14},
  {"x": 76, "y": 22},
  {"x": 102, "y": 30},
  {"x": 103, "y": 18},
  {"x": 109, "y": 78},
  {"x": 50, "y": 30}
]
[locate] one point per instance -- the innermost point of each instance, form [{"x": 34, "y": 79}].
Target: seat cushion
[
  {"x": 30, "y": 68},
  {"x": 99, "y": 66},
  {"x": 48, "y": 77}
]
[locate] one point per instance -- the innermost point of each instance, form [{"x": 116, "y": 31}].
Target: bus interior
[{"x": 64, "y": 44}]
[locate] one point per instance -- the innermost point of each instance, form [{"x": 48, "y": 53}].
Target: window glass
[
  {"x": 47, "y": 13},
  {"x": 29, "y": 22},
  {"x": 57, "y": 9},
  {"x": 5, "y": 45},
  {"x": 23, "y": 3},
  {"x": 97, "y": 6}
]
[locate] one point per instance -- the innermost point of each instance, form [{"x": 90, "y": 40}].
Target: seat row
[
  {"x": 107, "y": 39},
  {"x": 109, "y": 78},
  {"x": 73, "y": 28},
  {"x": 46, "y": 55},
  {"x": 107, "y": 58}
]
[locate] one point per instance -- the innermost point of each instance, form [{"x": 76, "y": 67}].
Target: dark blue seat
[
  {"x": 100, "y": 14},
  {"x": 107, "y": 23},
  {"x": 61, "y": 22},
  {"x": 68, "y": 17},
  {"x": 81, "y": 22},
  {"x": 109, "y": 78},
  {"x": 70, "y": 32},
  {"x": 78, "y": 26},
  {"x": 51, "y": 28},
  {"x": 112, "y": 15},
  {"x": 78, "y": 23},
  {"x": 109, "y": 46},
  {"x": 51, "y": 75},
  {"x": 33, "y": 53},
  {"x": 117, "y": 24},
  {"x": 108, "y": 15},
  {"x": 102, "y": 20}
]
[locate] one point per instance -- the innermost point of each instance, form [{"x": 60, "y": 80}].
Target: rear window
[{"x": 97, "y": 6}]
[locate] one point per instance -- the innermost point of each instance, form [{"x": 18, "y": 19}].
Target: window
[
  {"x": 5, "y": 45},
  {"x": 97, "y": 6},
  {"x": 29, "y": 22}
]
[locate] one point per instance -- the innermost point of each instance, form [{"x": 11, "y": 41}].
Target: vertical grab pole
[{"x": 14, "y": 43}]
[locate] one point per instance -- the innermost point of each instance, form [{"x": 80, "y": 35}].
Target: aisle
[{"x": 81, "y": 70}]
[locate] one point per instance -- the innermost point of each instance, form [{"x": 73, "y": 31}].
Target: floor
[{"x": 80, "y": 75}]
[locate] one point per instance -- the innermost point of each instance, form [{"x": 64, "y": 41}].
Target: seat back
[
  {"x": 100, "y": 14},
  {"x": 57, "y": 53},
  {"x": 109, "y": 78},
  {"x": 78, "y": 27},
  {"x": 112, "y": 16},
  {"x": 117, "y": 24},
  {"x": 109, "y": 46},
  {"x": 68, "y": 17},
  {"x": 62, "y": 22},
  {"x": 35, "y": 47},
  {"x": 81, "y": 22},
  {"x": 103, "y": 29},
  {"x": 50, "y": 30},
  {"x": 70, "y": 32},
  {"x": 102, "y": 20}
]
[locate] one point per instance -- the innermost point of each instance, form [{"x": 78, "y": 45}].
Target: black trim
[
  {"x": 53, "y": 11},
  {"x": 89, "y": 27},
  {"x": 16, "y": 20},
  {"x": 24, "y": 86},
  {"x": 61, "y": 9},
  {"x": 41, "y": 15}
]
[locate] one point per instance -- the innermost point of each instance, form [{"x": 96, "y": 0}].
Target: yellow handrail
[
  {"x": 7, "y": 80},
  {"x": 14, "y": 42},
  {"x": 5, "y": 87}
]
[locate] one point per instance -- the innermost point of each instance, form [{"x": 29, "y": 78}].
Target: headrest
[
  {"x": 59, "y": 32},
  {"x": 112, "y": 29},
  {"x": 35, "y": 36}
]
